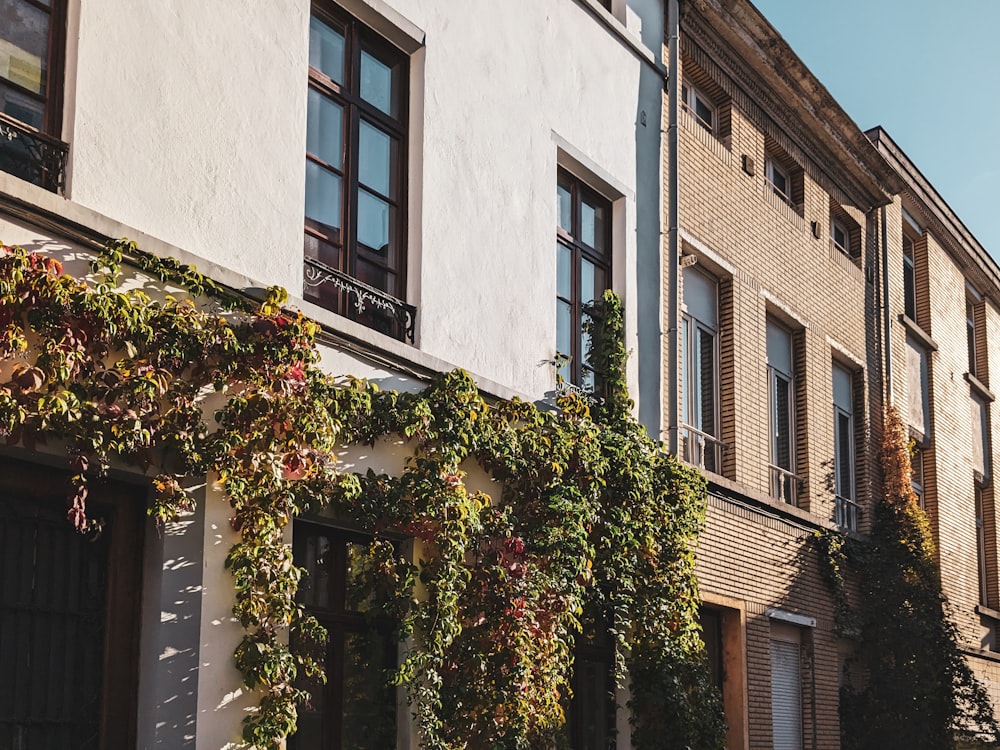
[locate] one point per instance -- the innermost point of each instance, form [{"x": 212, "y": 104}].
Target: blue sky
[{"x": 928, "y": 72}]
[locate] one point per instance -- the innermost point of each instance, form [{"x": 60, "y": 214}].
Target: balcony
[
  {"x": 32, "y": 155},
  {"x": 345, "y": 295}
]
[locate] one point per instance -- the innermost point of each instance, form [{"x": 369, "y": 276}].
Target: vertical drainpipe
[
  {"x": 673, "y": 242},
  {"x": 886, "y": 321}
]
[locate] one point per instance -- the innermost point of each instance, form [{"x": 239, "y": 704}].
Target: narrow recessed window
[
  {"x": 700, "y": 106},
  {"x": 911, "y": 234},
  {"x": 981, "y": 550},
  {"x": 846, "y": 510},
  {"x": 980, "y": 439},
  {"x": 841, "y": 237},
  {"x": 917, "y": 473},
  {"x": 583, "y": 271},
  {"x": 781, "y": 402},
  {"x": 778, "y": 180},
  {"x": 916, "y": 382},
  {"x": 786, "y": 687},
  {"x": 970, "y": 329},
  {"x": 700, "y": 373}
]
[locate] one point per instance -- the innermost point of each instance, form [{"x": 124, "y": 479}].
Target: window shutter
[{"x": 786, "y": 696}]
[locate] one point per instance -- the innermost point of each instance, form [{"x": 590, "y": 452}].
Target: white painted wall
[{"x": 189, "y": 123}]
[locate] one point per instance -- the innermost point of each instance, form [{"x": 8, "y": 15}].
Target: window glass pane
[
  {"x": 592, "y": 227},
  {"x": 326, "y": 50},
  {"x": 564, "y": 328},
  {"x": 782, "y": 419},
  {"x": 24, "y": 42},
  {"x": 779, "y": 348},
  {"x": 376, "y": 276},
  {"x": 689, "y": 409},
  {"x": 21, "y": 107},
  {"x": 704, "y": 111},
  {"x": 564, "y": 271},
  {"x": 377, "y": 83},
  {"x": 909, "y": 285},
  {"x": 842, "y": 390},
  {"x": 565, "y": 199},
  {"x": 588, "y": 274},
  {"x": 700, "y": 297},
  {"x": 376, "y": 159},
  {"x": 706, "y": 377},
  {"x": 368, "y": 711},
  {"x": 357, "y": 593},
  {"x": 325, "y": 129},
  {"x": 844, "y": 456},
  {"x": 322, "y": 195},
  {"x": 314, "y": 555},
  {"x": 373, "y": 221},
  {"x": 916, "y": 380}
]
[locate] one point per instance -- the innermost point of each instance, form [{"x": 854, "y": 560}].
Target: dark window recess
[
  {"x": 355, "y": 223},
  {"x": 356, "y": 708},
  {"x": 68, "y": 615},
  {"x": 590, "y": 720},
  {"x": 583, "y": 272},
  {"x": 32, "y": 49},
  {"x": 909, "y": 279}
]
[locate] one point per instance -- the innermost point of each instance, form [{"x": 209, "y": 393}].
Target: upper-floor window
[
  {"x": 975, "y": 328},
  {"x": 583, "y": 271},
  {"x": 778, "y": 179},
  {"x": 911, "y": 235},
  {"x": 980, "y": 439},
  {"x": 781, "y": 412},
  {"x": 356, "y": 707},
  {"x": 355, "y": 230},
  {"x": 846, "y": 509},
  {"x": 841, "y": 237},
  {"x": 917, "y": 381},
  {"x": 700, "y": 371},
  {"x": 700, "y": 106},
  {"x": 917, "y": 473},
  {"x": 32, "y": 49}
]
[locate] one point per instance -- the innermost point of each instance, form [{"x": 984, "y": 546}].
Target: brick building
[{"x": 784, "y": 222}]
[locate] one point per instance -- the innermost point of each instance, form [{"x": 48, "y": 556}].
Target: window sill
[
  {"x": 978, "y": 387},
  {"x": 922, "y": 440},
  {"x": 617, "y": 27},
  {"x": 985, "y": 611},
  {"x": 923, "y": 338}
]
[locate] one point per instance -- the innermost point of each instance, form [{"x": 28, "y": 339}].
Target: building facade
[
  {"x": 439, "y": 185},
  {"x": 447, "y": 185}
]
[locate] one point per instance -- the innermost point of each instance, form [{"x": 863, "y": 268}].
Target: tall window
[
  {"x": 970, "y": 330},
  {"x": 911, "y": 233},
  {"x": 355, "y": 708},
  {"x": 846, "y": 510},
  {"x": 786, "y": 687},
  {"x": 700, "y": 107},
  {"x": 778, "y": 179},
  {"x": 980, "y": 439},
  {"x": 918, "y": 406},
  {"x": 69, "y": 612},
  {"x": 32, "y": 50},
  {"x": 32, "y": 37},
  {"x": 583, "y": 271},
  {"x": 700, "y": 373},
  {"x": 917, "y": 474},
  {"x": 355, "y": 254},
  {"x": 981, "y": 552},
  {"x": 590, "y": 720},
  {"x": 781, "y": 408}
]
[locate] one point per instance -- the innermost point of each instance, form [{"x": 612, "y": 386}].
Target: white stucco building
[{"x": 482, "y": 168}]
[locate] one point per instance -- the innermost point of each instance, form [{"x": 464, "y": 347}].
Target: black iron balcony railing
[
  {"x": 362, "y": 302},
  {"x": 32, "y": 155}
]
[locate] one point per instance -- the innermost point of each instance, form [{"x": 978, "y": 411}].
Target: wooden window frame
[
  {"x": 339, "y": 621},
  {"x": 691, "y": 96},
  {"x": 580, "y": 190},
  {"x": 52, "y": 100},
  {"x": 357, "y": 38},
  {"x": 120, "y": 675},
  {"x": 699, "y": 442}
]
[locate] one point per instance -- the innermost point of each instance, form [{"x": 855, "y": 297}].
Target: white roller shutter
[{"x": 786, "y": 695}]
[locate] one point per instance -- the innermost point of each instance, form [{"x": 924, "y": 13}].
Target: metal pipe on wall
[{"x": 673, "y": 240}]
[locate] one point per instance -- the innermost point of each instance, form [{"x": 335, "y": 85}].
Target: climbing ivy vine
[
  {"x": 588, "y": 515},
  {"x": 918, "y": 690}
]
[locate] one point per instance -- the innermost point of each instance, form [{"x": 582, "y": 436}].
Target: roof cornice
[{"x": 769, "y": 76}]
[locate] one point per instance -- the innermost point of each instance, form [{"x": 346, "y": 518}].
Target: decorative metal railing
[
  {"x": 370, "y": 305},
  {"x": 32, "y": 155}
]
